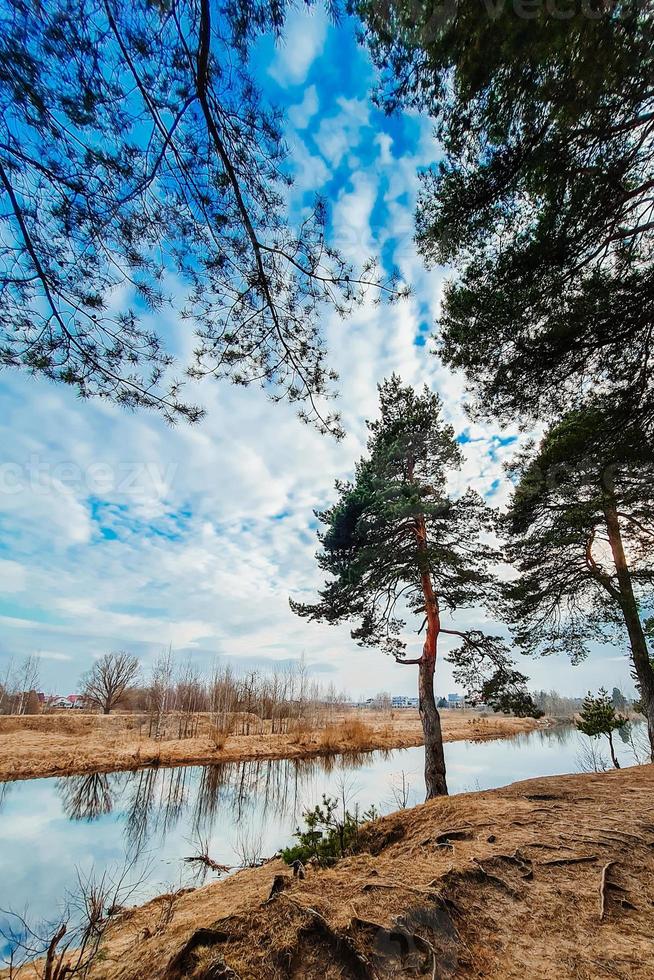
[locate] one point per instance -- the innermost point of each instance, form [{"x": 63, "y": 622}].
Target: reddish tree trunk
[
  {"x": 435, "y": 781},
  {"x": 629, "y": 607}
]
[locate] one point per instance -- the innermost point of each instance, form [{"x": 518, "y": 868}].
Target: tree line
[{"x": 175, "y": 698}]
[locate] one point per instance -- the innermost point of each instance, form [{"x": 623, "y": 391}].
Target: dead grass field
[
  {"x": 547, "y": 879},
  {"x": 66, "y": 744}
]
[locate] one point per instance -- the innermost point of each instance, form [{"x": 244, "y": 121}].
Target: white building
[{"x": 401, "y": 701}]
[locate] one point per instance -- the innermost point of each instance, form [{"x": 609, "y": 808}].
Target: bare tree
[
  {"x": 160, "y": 691},
  {"x": 190, "y": 701},
  {"x": 24, "y": 681},
  {"x": 401, "y": 790},
  {"x": 105, "y": 685}
]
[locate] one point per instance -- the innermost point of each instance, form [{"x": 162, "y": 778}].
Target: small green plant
[
  {"x": 328, "y": 834},
  {"x": 599, "y": 717}
]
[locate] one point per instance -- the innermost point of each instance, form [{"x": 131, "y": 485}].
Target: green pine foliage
[
  {"x": 543, "y": 197},
  {"x": 329, "y": 833},
  {"x": 396, "y": 522},
  {"x": 567, "y": 591},
  {"x": 580, "y": 528},
  {"x": 142, "y": 173},
  {"x": 598, "y": 717}
]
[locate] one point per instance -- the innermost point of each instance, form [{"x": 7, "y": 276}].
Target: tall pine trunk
[
  {"x": 431, "y": 726},
  {"x": 629, "y": 607},
  {"x": 431, "y": 720}
]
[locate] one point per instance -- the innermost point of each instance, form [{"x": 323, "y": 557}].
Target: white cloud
[
  {"x": 301, "y": 114},
  {"x": 304, "y": 37},
  {"x": 13, "y": 576},
  {"x": 339, "y": 134}
]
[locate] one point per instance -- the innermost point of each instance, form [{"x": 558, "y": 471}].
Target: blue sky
[{"x": 117, "y": 532}]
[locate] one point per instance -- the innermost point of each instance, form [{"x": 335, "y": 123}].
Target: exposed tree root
[
  {"x": 399, "y": 885},
  {"x": 279, "y": 883},
  {"x": 602, "y": 888},
  {"x": 448, "y": 836},
  {"x": 185, "y": 960},
  {"x": 403, "y": 949},
  {"x": 341, "y": 945},
  {"x": 573, "y": 859},
  {"x": 219, "y": 971},
  {"x": 520, "y": 861}
]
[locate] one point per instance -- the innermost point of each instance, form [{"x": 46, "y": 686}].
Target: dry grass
[
  {"x": 481, "y": 885},
  {"x": 350, "y": 733},
  {"x": 218, "y": 736},
  {"x": 300, "y": 731},
  {"x": 65, "y": 723},
  {"x": 74, "y": 722},
  {"x": 69, "y": 743}
]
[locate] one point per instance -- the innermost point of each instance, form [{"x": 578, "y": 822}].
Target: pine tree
[
  {"x": 581, "y": 528},
  {"x": 542, "y": 200},
  {"x": 598, "y": 717},
  {"x": 396, "y": 543}
]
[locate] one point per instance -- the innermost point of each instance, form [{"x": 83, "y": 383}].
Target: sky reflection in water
[{"x": 52, "y": 827}]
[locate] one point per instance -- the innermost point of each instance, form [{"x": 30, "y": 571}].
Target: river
[{"x": 147, "y": 822}]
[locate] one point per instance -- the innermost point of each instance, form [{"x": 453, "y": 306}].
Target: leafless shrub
[
  {"x": 589, "y": 756},
  {"x": 401, "y": 790},
  {"x": 167, "y": 904},
  {"x": 351, "y": 733},
  {"x": 249, "y": 847},
  {"x": 69, "y": 945},
  {"x": 159, "y": 693},
  {"x": 218, "y": 736},
  {"x": 637, "y": 740},
  {"x": 300, "y": 731}
]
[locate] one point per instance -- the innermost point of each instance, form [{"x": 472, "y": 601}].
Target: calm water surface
[{"x": 51, "y": 828}]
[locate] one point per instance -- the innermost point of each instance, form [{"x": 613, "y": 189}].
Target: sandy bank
[{"x": 60, "y": 745}]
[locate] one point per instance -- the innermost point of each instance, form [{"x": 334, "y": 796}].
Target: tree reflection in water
[
  {"x": 236, "y": 794},
  {"x": 86, "y": 797},
  {"x": 152, "y": 801},
  {"x": 4, "y": 793},
  {"x": 155, "y": 800}
]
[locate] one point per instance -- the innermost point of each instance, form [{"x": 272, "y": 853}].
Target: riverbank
[
  {"x": 66, "y": 745},
  {"x": 546, "y": 878}
]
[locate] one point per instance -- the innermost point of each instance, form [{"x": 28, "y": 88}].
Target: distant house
[
  {"x": 66, "y": 701},
  {"x": 456, "y": 701},
  {"x": 400, "y": 701},
  {"x": 58, "y": 701}
]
